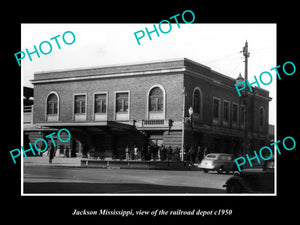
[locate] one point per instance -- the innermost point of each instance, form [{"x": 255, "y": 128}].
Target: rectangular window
[
  {"x": 100, "y": 103},
  {"x": 234, "y": 113},
  {"x": 226, "y": 111},
  {"x": 261, "y": 117},
  {"x": 79, "y": 104},
  {"x": 216, "y": 111},
  {"x": 216, "y": 108},
  {"x": 122, "y": 102},
  {"x": 242, "y": 116}
]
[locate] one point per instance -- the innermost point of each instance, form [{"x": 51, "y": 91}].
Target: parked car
[
  {"x": 219, "y": 162},
  {"x": 252, "y": 180}
]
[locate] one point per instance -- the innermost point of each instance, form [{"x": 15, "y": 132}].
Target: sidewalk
[
  {"x": 57, "y": 161},
  {"x": 80, "y": 162}
]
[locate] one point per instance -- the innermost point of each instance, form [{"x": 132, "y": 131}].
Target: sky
[{"x": 218, "y": 46}]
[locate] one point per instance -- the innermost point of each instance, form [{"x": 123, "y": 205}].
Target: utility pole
[
  {"x": 245, "y": 99},
  {"x": 183, "y": 123},
  {"x": 247, "y": 55}
]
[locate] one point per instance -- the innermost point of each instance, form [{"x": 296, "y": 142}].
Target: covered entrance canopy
[{"x": 105, "y": 139}]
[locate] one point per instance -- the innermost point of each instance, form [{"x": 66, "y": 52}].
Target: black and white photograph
[
  {"x": 176, "y": 116},
  {"x": 140, "y": 114}
]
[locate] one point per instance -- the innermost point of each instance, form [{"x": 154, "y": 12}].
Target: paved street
[{"x": 73, "y": 179}]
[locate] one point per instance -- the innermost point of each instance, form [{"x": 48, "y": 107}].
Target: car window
[
  {"x": 211, "y": 156},
  {"x": 270, "y": 164},
  {"x": 223, "y": 157},
  {"x": 229, "y": 157}
]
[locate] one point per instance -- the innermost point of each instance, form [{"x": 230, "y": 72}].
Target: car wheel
[
  {"x": 233, "y": 187},
  {"x": 221, "y": 169},
  {"x": 205, "y": 171}
]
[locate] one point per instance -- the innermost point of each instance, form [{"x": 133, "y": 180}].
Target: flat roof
[{"x": 139, "y": 68}]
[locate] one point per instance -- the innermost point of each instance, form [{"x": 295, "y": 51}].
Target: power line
[
  {"x": 221, "y": 58},
  {"x": 240, "y": 62}
]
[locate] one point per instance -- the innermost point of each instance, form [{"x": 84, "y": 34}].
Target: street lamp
[
  {"x": 240, "y": 79},
  {"x": 191, "y": 111}
]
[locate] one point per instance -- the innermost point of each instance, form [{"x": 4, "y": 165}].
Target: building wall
[
  {"x": 211, "y": 89},
  {"x": 216, "y": 137},
  {"x": 138, "y": 88}
]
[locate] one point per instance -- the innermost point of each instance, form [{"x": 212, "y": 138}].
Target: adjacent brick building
[{"x": 109, "y": 108}]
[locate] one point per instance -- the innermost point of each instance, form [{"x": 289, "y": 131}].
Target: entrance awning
[{"x": 91, "y": 126}]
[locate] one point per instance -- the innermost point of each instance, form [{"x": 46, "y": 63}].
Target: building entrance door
[{"x": 156, "y": 142}]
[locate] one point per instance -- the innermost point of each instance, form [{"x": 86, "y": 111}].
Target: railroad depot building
[{"x": 171, "y": 102}]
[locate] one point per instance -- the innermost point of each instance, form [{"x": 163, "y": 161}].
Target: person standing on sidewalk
[
  {"x": 135, "y": 152},
  {"x": 127, "y": 153},
  {"x": 50, "y": 152}
]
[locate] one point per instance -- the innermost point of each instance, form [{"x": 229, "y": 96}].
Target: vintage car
[
  {"x": 252, "y": 180},
  {"x": 219, "y": 162}
]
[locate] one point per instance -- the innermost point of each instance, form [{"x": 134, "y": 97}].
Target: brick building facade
[{"x": 109, "y": 108}]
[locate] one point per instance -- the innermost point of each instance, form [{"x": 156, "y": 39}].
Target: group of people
[
  {"x": 193, "y": 155},
  {"x": 52, "y": 151},
  {"x": 154, "y": 152}
]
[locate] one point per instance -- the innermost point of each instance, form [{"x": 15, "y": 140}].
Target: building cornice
[{"x": 112, "y": 75}]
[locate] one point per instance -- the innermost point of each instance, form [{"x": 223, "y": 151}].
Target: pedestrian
[
  {"x": 163, "y": 152},
  {"x": 152, "y": 151},
  {"x": 155, "y": 151},
  {"x": 135, "y": 152},
  {"x": 177, "y": 154},
  {"x": 42, "y": 148},
  {"x": 181, "y": 154},
  {"x": 143, "y": 153},
  {"x": 67, "y": 152},
  {"x": 131, "y": 153},
  {"x": 84, "y": 150},
  {"x": 158, "y": 153},
  {"x": 205, "y": 152},
  {"x": 169, "y": 153},
  {"x": 127, "y": 152},
  {"x": 198, "y": 155},
  {"x": 191, "y": 155},
  {"x": 50, "y": 152},
  {"x": 148, "y": 152}
]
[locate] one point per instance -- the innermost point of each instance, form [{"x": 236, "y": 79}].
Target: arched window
[
  {"x": 52, "y": 107},
  {"x": 197, "y": 101},
  {"x": 52, "y": 104},
  {"x": 261, "y": 117},
  {"x": 156, "y": 100}
]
